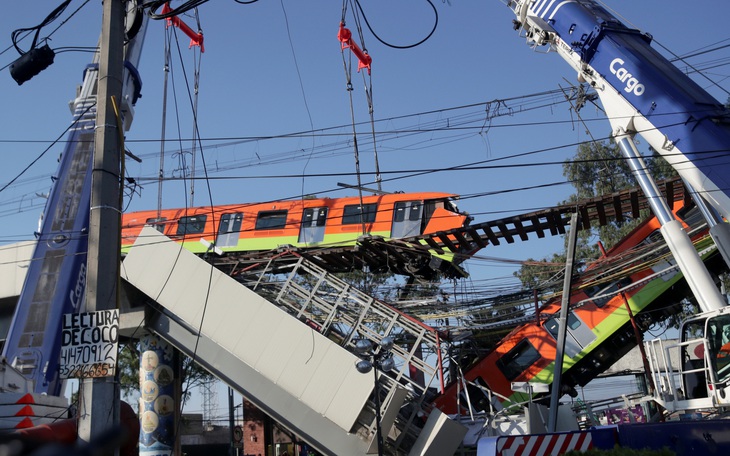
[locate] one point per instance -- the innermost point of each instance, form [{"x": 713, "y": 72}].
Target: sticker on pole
[{"x": 89, "y": 344}]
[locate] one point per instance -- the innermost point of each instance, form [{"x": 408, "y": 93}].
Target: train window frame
[
  {"x": 415, "y": 211},
  {"x": 507, "y": 363},
  {"x": 158, "y": 223},
  {"x": 225, "y": 222},
  {"x": 353, "y": 214},
  {"x": 690, "y": 215},
  {"x": 308, "y": 213},
  {"x": 191, "y": 224},
  {"x": 271, "y": 220},
  {"x": 399, "y": 211},
  {"x": 611, "y": 290},
  {"x": 573, "y": 323}
]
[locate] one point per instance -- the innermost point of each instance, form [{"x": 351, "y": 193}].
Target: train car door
[
  {"x": 229, "y": 229},
  {"x": 577, "y": 336},
  {"x": 311, "y": 230},
  {"x": 407, "y": 216}
]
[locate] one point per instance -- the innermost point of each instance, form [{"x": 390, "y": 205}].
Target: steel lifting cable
[
  {"x": 161, "y": 173},
  {"x": 196, "y": 41},
  {"x": 345, "y": 38},
  {"x": 196, "y": 86},
  {"x": 368, "y": 87},
  {"x": 364, "y": 61}
]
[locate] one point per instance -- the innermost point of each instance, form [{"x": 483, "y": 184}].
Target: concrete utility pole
[
  {"x": 99, "y": 397},
  {"x": 563, "y": 324}
]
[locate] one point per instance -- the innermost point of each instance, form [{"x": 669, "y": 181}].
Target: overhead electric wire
[
  {"x": 196, "y": 136},
  {"x": 675, "y": 58},
  {"x": 52, "y": 16},
  {"x": 35, "y": 160},
  {"x": 417, "y": 131},
  {"x": 408, "y": 46},
  {"x": 303, "y": 92}
]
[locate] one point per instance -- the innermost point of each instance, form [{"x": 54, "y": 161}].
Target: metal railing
[{"x": 346, "y": 315}]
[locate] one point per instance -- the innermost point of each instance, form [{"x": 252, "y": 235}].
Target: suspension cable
[
  {"x": 196, "y": 86},
  {"x": 368, "y": 86},
  {"x": 166, "y": 69},
  {"x": 348, "y": 76}
]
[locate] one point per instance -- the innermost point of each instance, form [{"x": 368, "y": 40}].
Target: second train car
[{"x": 599, "y": 329}]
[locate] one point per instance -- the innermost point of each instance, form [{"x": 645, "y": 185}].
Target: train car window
[
  {"x": 193, "y": 224},
  {"x": 157, "y": 223},
  {"x": 572, "y": 347},
  {"x": 407, "y": 210},
  {"x": 399, "y": 214},
  {"x": 230, "y": 223},
  {"x": 450, "y": 205},
  {"x": 573, "y": 322},
  {"x": 354, "y": 214},
  {"x": 415, "y": 212},
  {"x": 229, "y": 229},
  {"x": 552, "y": 327},
  {"x": 605, "y": 294},
  {"x": 314, "y": 216},
  {"x": 313, "y": 225},
  {"x": 552, "y": 324},
  {"x": 271, "y": 220},
  {"x": 654, "y": 236},
  {"x": 406, "y": 219},
  {"x": 517, "y": 360},
  {"x": 692, "y": 216},
  {"x": 660, "y": 264}
]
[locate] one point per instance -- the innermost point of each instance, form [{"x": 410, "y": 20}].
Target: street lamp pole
[
  {"x": 382, "y": 360},
  {"x": 378, "y": 431}
]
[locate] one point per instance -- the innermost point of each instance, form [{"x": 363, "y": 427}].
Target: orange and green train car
[
  {"x": 303, "y": 223},
  {"x": 599, "y": 328}
]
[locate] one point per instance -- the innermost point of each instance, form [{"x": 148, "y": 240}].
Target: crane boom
[
  {"x": 55, "y": 283},
  {"x": 643, "y": 93}
]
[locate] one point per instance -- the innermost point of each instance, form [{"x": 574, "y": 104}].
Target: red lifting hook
[
  {"x": 196, "y": 39},
  {"x": 345, "y": 37}
]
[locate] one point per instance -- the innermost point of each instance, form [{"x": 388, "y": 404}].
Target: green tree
[
  {"x": 597, "y": 169},
  {"x": 128, "y": 369}
]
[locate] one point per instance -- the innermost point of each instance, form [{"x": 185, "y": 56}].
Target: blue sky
[{"x": 275, "y": 67}]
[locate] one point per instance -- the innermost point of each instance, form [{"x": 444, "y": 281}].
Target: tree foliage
[
  {"x": 597, "y": 169},
  {"x": 128, "y": 369}
]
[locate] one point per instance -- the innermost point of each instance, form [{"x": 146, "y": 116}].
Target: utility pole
[
  {"x": 99, "y": 397},
  {"x": 563, "y": 324}
]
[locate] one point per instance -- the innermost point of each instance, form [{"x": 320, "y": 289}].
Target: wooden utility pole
[{"x": 99, "y": 397}]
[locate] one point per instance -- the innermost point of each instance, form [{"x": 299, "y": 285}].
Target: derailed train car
[{"x": 636, "y": 274}]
